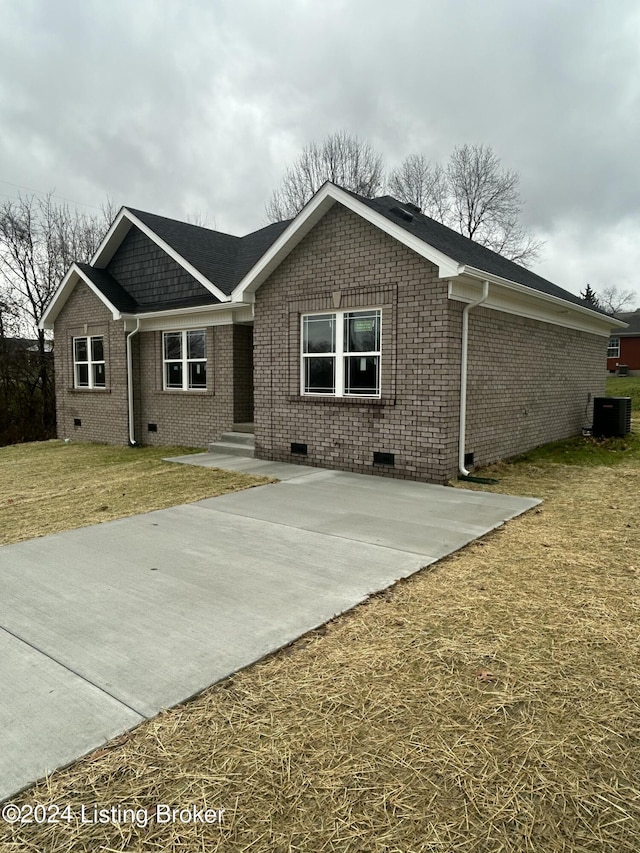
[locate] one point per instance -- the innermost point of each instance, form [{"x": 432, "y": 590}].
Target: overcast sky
[{"x": 186, "y": 107}]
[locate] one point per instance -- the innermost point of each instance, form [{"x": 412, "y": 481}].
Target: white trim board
[
  {"x": 512, "y": 298},
  {"x": 65, "y": 288}
]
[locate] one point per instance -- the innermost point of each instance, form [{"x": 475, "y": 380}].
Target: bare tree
[
  {"x": 421, "y": 183},
  {"x": 613, "y": 300},
  {"x": 342, "y": 159},
  {"x": 39, "y": 240},
  {"x": 474, "y": 195},
  {"x": 200, "y": 218}
]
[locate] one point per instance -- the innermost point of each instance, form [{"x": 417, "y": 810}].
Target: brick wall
[
  {"x": 190, "y": 418},
  {"x": 102, "y": 412},
  {"x": 346, "y": 263},
  {"x": 528, "y": 382}
]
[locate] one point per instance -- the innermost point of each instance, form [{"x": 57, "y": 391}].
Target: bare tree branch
[
  {"x": 613, "y": 300},
  {"x": 39, "y": 240},
  {"x": 473, "y": 195},
  {"x": 342, "y": 159}
]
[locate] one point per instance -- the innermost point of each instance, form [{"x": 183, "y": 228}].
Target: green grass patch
[
  {"x": 586, "y": 450},
  {"x": 625, "y": 386}
]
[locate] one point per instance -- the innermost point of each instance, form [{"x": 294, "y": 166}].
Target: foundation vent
[{"x": 383, "y": 458}]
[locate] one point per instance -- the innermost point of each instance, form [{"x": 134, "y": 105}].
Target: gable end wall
[
  {"x": 347, "y": 258},
  {"x": 149, "y": 274}
]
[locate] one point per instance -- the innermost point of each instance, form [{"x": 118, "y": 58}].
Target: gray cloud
[{"x": 200, "y": 106}]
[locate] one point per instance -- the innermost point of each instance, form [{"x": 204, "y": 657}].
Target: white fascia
[
  {"x": 310, "y": 215},
  {"x": 190, "y": 318},
  {"x": 513, "y": 298},
  {"x": 73, "y": 276},
  {"x": 118, "y": 231}
]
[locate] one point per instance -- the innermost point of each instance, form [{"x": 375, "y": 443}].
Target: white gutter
[
  {"x": 132, "y": 438},
  {"x": 474, "y": 272},
  {"x": 463, "y": 376}
]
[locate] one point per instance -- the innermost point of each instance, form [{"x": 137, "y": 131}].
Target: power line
[{"x": 53, "y": 195}]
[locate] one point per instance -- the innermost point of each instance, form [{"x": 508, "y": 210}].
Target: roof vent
[
  {"x": 413, "y": 207},
  {"x": 402, "y": 213}
]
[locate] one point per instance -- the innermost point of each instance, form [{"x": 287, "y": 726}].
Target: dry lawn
[
  {"x": 49, "y": 486},
  {"x": 490, "y": 703}
]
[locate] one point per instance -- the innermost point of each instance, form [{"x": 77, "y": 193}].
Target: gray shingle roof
[
  {"x": 253, "y": 247},
  {"x": 212, "y": 253},
  {"x": 633, "y": 319},
  {"x": 224, "y": 259},
  {"x": 109, "y": 287},
  {"x": 466, "y": 251}
]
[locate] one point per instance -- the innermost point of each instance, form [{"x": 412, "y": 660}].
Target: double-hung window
[
  {"x": 613, "y": 350},
  {"x": 341, "y": 353},
  {"x": 185, "y": 360},
  {"x": 88, "y": 362}
]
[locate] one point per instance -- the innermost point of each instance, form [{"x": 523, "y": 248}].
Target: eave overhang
[
  {"x": 513, "y": 298},
  {"x": 190, "y": 318},
  {"x": 64, "y": 290}
]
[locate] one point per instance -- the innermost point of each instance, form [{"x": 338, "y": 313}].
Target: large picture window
[
  {"x": 185, "y": 360},
  {"x": 341, "y": 353},
  {"x": 88, "y": 362}
]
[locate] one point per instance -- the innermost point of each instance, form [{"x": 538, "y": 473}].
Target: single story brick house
[
  {"x": 624, "y": 344},
  {"x": 361, "y": 335}
]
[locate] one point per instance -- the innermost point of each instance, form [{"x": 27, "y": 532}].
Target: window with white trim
[
  {"x": 89, "y": 369},
  {"x": 341, "y": 353},
  {"x": 185, "y": 360},
  {"x": 613, "y": 350}
]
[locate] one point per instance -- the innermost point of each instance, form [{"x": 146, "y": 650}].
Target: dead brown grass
[
  {"x": 49, "y": 486},
  {"x": 490, "y": 703}
]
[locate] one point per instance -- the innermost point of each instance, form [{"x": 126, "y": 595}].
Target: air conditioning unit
[{"x": 611, "y": 416}]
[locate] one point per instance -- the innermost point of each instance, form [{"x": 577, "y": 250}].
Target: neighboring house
[
  {"x": 351, "y": 337},
  {"x": 624, "y": 344}
]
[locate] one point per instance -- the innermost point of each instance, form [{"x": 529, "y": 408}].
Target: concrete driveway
[{"x": 104, "y": 626}]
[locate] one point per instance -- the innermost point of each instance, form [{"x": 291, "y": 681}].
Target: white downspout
[
  {"x": 132, "y": 438},
  {"x": 463, "y": 376}
]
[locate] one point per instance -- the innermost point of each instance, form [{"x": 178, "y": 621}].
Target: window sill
[
  {"x": 180, "y": 392},
  {"x": 341, "y": 401},
  {"x": 89, "y": 390}
]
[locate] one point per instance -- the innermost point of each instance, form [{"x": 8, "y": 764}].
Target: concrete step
[
  {"x": 231, "y": 448},
  {"x": 246, "y": 438},
  {"x": 248, "y": 427}
]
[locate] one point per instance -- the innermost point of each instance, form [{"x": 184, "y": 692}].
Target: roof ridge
[{"x": 137, "y": 211}]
